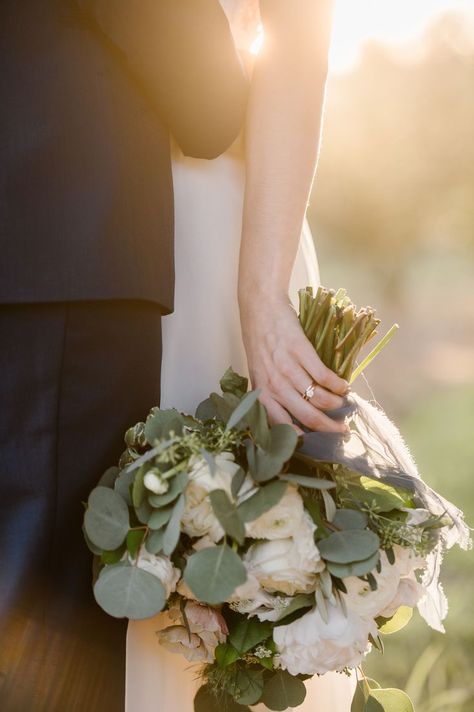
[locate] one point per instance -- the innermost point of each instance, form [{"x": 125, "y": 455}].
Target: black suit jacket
[{"x": 89, "y": 91}]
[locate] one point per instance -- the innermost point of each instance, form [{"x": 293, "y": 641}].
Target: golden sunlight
[{"x": 387, "y": 21}]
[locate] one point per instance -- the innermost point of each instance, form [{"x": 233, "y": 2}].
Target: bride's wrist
[{"x": 252, "y": 295}]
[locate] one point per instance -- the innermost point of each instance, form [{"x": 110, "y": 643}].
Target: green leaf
[
  {"x": 160, "y": 517},
  {"x": 173, "y": 528},
  {"x": 350, "y": 519},
  {"x": 160, "y": 423},
  {"x": 134, "y": 541},
  {"x": 123, "y": 485},
  {"x": 355, "y": 568},
  {"x": 242, "y": 409},
  {"x": 388, "y": 700},
  {"x": 282, "y": 691},
  {"x": 358, "y": 701},
  {"x": 206, "y": 410},
  {"x": 266, "y": 464},
  {"x": 106, "y": 518},
  {"x": 257, "y": 420},
  {"x": 154, "y": 541},
  {"x": 302, "y": 600},
  {"x": 214, "y": 573},
  {"x": 177, "y": 485},
  {"x": 231, "y": 382},
  {"x": 249, "y": 684},
  {"x": 144, "y": 512},
  {"x": 310, "y": 482},
  {"x": 248, "y": 633},
  {"x": 125, "y": 591},
  {"x": 206, "y": 701},
  {"x": 227, "y": 515},
  {"x": 349, "y": 545},
  {"x": 138, "y": 488},
  {"x": 226, "y": 654},
  {"x": 399, "y": 620},
  {"x": 385, "y": 496},
  {"x": 109, "y": 477},
  {"x": 262, "y": 501},
  {"x": 237, "y": 481},
  {"x": 92, "y": 547},
  {"x": 113, "y": 557}
]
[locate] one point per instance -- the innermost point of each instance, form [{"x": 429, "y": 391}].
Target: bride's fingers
[
  {"x": 306, "y": 413},
  {"x": 322, "y": 398},
  {"x": 277, "y": 414},
  {"x": 323, "y": 375}
]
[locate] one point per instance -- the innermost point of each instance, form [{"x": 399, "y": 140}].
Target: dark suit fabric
[
  {"x": 74, "y": 378},
  {"x": 88, "y": 95}
]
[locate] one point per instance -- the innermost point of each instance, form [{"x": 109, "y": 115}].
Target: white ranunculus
[
  {"x": 198, "y": 518},
  {"x": 407, "y": 561},
  {"x": 161, "y": 567},
  {"x": 310, "y": 646},
  {"x": 281, "y": 521},
  {"x": 155, "y": 482},
  {"x": 287, "y": 565},
  {"x": 207, "y": 628},
  {"x": 409, "y": 592}
]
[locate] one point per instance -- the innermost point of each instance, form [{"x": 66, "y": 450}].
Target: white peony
[
  {"x": 287, "y": 565},
  {"x": 161, "y": 567},
  {"x": 198, "y": 518},
  {"x": 367, "y": 603},
  {"x": 409, "y": 592},
  {"x": 281, "y": 521},
  {"x": 207, "y": 628},
  {"x": 310, "y": 646}
]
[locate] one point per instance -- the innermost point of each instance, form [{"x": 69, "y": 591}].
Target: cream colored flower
[
  {"x": 161, "y": 567},
  {"x": 281, "y": 521},
  {"x": 312, "y": 646},
  {"x": 207, "y": 628}
]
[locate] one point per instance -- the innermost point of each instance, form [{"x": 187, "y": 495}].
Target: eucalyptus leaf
[
  {"x": 257, "y": 420},
  {"x": 125, "y": 591},
  {"x": 214, "y": 573},
  {"x": 399, "y": 620},
  {"x": 109, "y": 477},
  {"x": 355, "y": 568},
  {"x": 90, "y": 545},
  {"x": 144, "y": 512},
  {"x": 123, "y": 485},
  {"x": 228, "y": 515},
  {"x": 266, "y": 463},
  {"x": 106, "y": 519},
  {"x": 160, "y": 517},
  {"x": 310, "y": 482},
  {"x": 266, "y": 497},
  {"x": 173, "y": 528},
  {"x": 349, "y": 545},
  {"x": 177, "y": 485},
  {"x": 242, "y": 409},
  {"x": 299, "y": 602},
  {"x": 384, "y": 496},
  {"x": 206, "y": 410},
  {"x": 138, "y": 488},
  {"x": 350, "y": 519},
  {"x": 237, "y": 481},
  {"x": 161, "y": 423},
  {"x": 248, "y": 633},
  {"x": 388, "y": 700},
  {"x": 154, "y": 541},
  {"x": 231, "y": 382},
  {"x": 282, "y": 691},
  {"x": 210, "y": 460},
  {"x": 358, "y": 701}
]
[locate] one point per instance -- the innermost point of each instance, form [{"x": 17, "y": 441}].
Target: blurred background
[{"x": 392, "y": 212}]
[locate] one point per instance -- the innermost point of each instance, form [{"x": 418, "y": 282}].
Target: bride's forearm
[{"x": 282, "y": 140}]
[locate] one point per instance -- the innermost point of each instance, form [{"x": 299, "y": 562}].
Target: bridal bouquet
[{"x": 273, "y": 557}]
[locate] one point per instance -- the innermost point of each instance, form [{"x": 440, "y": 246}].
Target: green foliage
[
  {"x": 264, "y": 464},
  {"x": 248, "y": 633},
  {"x": 106, "y": 518},
  {"x": 349, "y": 545},
  {"x": 283, "y": 691},
  {"x": 266, "y": 497},
  {"x": 214, "y": 573},
  {"x": 126, "y": 591},
  {"x": 177, "y": 485},
  {"x": 228, "y": 515},
  {"x": 350, "y": 519},
  {"x": 399, "y": 620},
  {"x": 310, "y": 482},
  {"x": 231, "y": 382},
  {"x": 173, "y": 528},
  {"x": 242, "y": 409},
  {"x": 161, "y": 423}
]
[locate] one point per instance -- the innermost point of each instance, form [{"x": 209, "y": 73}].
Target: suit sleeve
[{"x": 182, "y": 53}]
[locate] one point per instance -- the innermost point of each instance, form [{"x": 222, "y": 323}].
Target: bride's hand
[{"x": 283, "y": 363}]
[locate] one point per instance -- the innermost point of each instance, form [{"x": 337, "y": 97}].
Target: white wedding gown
[{"x": 200, "y": 340}]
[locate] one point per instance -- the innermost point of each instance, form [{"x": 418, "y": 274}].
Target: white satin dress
[{"x": 200, "y": 340}]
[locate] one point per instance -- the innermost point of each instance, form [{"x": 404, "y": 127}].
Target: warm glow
[{"x": 390, "y": 21}]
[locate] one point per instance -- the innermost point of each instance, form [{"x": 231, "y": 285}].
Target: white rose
[
  {"x": 362, "y": 600},
  {"x": 310, "y": 646},
  {"x": 155, "y": 482},
  {"x": 161, "y": 567},
  {"x": 198, "y": 518},
  {"x": 406, "y": 560},
  {"x": 409, "y": 592},
  {"x": 281, "y": 521},
  {"x": 288, "y": 565},
  {"x": 207, "y": 628}
]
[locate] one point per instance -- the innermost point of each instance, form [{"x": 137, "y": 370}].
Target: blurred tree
[{"x": 397, "y": 164}]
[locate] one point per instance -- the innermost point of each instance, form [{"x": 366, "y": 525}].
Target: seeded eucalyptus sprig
[{"x": 339, "y": 330}]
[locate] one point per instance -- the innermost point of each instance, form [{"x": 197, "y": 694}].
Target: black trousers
[{"x": 73, "y": 377}]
